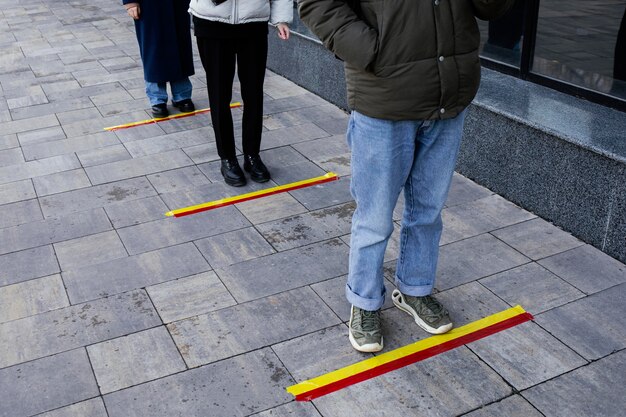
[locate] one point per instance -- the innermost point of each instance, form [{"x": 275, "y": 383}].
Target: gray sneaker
[
  {"x": 365, "y": 330},
  {"x": 428, "y": 313}
]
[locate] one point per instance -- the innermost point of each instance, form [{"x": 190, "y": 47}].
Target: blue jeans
[
  {"x": 388, "y": 156},
  {"x": 157, "y": 92}
]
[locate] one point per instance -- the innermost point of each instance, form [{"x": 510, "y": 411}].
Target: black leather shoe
[
  {"x": 184, "y": 106},
  {"x": 160, "y": 110},
  {"x": 232, "y": 173},
  {"x": 257, "y": 169}
]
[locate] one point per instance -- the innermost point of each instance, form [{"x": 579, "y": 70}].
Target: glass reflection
[
  {"x": 582, "y": 43},
  {"x": 504, "y": 35}
]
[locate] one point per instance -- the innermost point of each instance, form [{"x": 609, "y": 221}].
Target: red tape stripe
[{"x": 415, "y": 357}]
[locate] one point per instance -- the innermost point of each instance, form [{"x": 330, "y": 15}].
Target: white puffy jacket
[{"x": 244, "y": 11}]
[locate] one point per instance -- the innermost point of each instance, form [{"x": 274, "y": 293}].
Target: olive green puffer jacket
[{"x": 405, "y": 59}]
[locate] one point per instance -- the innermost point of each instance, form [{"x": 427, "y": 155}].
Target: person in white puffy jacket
[{"x": 233, "y": 34}]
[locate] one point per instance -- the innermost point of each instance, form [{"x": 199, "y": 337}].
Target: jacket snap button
[
  {"x": 441, "y": 58},
  {"x": 442, "y": 111}
]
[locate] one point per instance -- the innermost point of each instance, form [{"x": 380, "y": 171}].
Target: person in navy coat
[{"x": 164, "y": 36}]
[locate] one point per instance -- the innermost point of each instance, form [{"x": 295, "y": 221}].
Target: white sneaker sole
[
  {"x": 398, "y": 300},
  {"x": 368, "y": 348}
]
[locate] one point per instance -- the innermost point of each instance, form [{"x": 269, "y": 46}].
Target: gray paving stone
[
  {"x": 124, "y": 274},
  {"x": 292, "y": 232},
  {"x": 290, "y": 135},
  {"x": 285, "y": 270},
  {"x": 210, "y": 337},
  {"x": 170, "y": 231},
  {"x": 34, "y": 123},
  {"x": 333, "y": 125},
  {"x": 286, "y": 119},
  {"x": 318, "y": 353},
  {"x": 324, "y": 195},
  {"x": 22, "y": 266},
  {"x": 71, "y": 327},
  {"x": 234, "y": 247},
  {"x": 9, "y": 141},
  {"x": 526, "y": 355},
  {"x": 95, "y": 123},
  {"x": 190, "y": 123},
  {"x": 33, "y": 137},
  {"x": 480, "y": 216},
  {"x": 122, "y": 362},
  {"x": 591, "y": 391},
  {"x": 474, "y": 258},
  {"x": 16, "y": 191},
  {"x": 410, "y": 391},
  {"x": 89, "y": 408},
  {"x": 235, "y": 387},
  {"x": 294, "y": 409},
  {"x": 21, "y": 212},
  {"x": 43, "y": 232},
  {"x": 11, "y": 157},
  {"x": 333, "y": 292},
  {"x": 96, "y": 196},
  {"x": 89, "y": 250},
  {"x": 537, "y": 238},
  {"x": 271, "y": 208},
  {"x": 287, "y": 166},
  {"x": 177, "y": 179},
  {"x": 332, "y": 153},
  {"x": 136, "y": 211},
  {"x": 190, "y": 296},
  {"x": 38, "y": 168},
  {"x": 120, "y": 170},
  {"x": 45, "y": 384},
  {"x": 68, "y": 146},
  {"x": 32, "y": 297},
  {"x": 463, "y": 190},
  {"x": 201, "y": 154},
  {"x": 102, "y": 156},
  {"x": 170, "y": 142},
  {"x": 594, "y": 326},
  {"x": 513, "y": 406},
  {"x": 61, "y": 182},
  {"x": 58, "y": 108},
  {"x": 533, "y": 287},
  {"x": 111, "y": 97},
  {"x": 586, "y": 268},
  {"x": 25, "y": 97},
  {"x": 140, "y": 132}
]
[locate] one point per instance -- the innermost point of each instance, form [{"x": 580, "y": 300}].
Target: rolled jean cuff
[
  {"x": 369, "y": 304},
  {"x": 414, "y": 290}
]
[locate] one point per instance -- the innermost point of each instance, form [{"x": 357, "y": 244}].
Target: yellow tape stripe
[
  {"x": 254, "y": 194},
  {"x": 394, "y": 355},
  {"x": 162, "y": 119}
]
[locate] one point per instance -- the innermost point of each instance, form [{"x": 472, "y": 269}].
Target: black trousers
[{"x": 219, "y": 59}]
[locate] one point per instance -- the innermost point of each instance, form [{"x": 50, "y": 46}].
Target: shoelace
[
  {"x": 370, "y": 320},
  {"x": 431, "y": 307}
]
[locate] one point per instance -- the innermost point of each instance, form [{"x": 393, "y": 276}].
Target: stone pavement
[{"x": 108, "y": 308}]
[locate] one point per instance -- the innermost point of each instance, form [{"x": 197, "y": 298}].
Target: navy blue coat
[{"x": 163, "y": 32}]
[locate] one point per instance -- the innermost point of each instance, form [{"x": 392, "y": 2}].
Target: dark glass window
[
  {"x": 582, "y": 43},
  {"x": 502, "y": 38}
]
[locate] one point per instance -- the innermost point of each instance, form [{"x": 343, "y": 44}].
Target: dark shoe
[
  {"x": 257, "y": 169},
  {"x": 184, "y": 106},
  {"x": 232, "y": 173},
  {"x": 160, "y": 110}
]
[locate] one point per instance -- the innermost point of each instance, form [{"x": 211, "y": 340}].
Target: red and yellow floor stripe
[
  {"x": 164, "y": 119},
  {"x": 330, "y": 176},
  {"x": 415, "y": 352}
]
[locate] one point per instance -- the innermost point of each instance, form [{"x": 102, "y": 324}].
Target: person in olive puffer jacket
[
  {"x": 229, "y": 32},
  {"x": 412, "y": 68}
]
